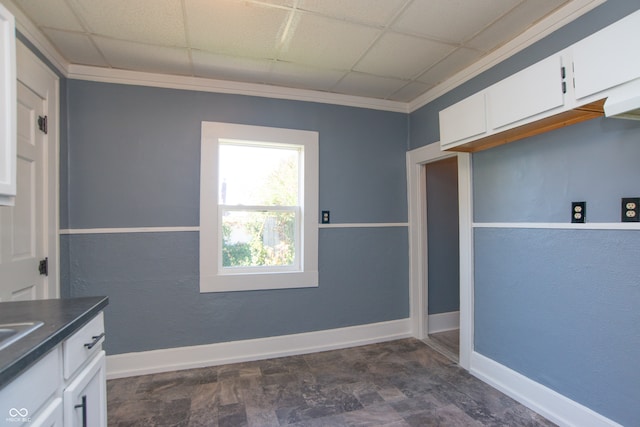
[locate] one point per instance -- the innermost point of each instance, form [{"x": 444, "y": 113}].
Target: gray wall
[
  {"x": 559, "y": 306},
  {"x": 134, "y": 160},
  {"x": 443, "y": 248}
]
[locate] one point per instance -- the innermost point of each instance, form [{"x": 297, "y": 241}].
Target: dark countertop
[{"x": 61, "y": 317}]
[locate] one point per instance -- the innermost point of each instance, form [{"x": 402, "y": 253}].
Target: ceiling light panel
[
  {"x": 145, "y": 21},
  {"x": 51, "y": 13},
  {"x": 327, "y": 43},
  {"x": 451, "y": 20},
  {"x": 141, "y": 57},
  {"x": 235, "y": 28},
  {"x": 76, "y": 48},
  {"x": 402, "y": 56},
  {"x": 372, "y": 12}
]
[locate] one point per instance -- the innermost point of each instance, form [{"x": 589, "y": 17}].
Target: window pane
[
  {"x": 258, "y": 239},
  {"x": 258, "y": 175}
]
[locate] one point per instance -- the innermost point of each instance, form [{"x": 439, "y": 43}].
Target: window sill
[{"x": 256, "y": 282}]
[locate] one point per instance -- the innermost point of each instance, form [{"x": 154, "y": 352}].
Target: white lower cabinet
[
  {"x": 51, "y": 416},
  {"x": 66, "y": 388},
  {"x": 85, "y": 396}
]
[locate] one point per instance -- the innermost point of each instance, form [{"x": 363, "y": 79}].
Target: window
[{"x": 258, "y": 208}]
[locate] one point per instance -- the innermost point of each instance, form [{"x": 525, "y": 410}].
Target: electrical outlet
[
  {"x": 326, "y": 217},
  {"x": 578, "y": 212},
  {"x": 630, "y": 209}
]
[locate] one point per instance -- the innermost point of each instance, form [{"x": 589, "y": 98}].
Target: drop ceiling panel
[
  {"x": 77, "y": 48},
  {"x": 146, "y": 21},
  {"x": 372, "y": 12},
  {"x": 327, "y": 43},
  {"x": 457, "y": 61},
  {"x": 402, "y": 56},
  {"x": 452, "y": 20},
  {"x": 235, "y": 28},
  {"x": 228, "y": 67},
  {"x": 300, "y": 76},
  {"x": 52, "y": 14},
  {"x": 369, "y": 86},
  {"x": 140, "y": 57},
  {"x": 513, "y": 23},
  {"x": 410, "y": 92}
]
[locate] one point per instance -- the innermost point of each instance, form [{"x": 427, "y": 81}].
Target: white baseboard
[
  {"x": 548, "y": 403},
  {"x": 173, "y": 359},
  {"x": 442, "y": 322}
]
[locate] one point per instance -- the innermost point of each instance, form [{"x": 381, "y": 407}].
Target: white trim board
[
  {"x": 443, "y": 322},
  {"x": 548, "y": 403},
  {"x": 172, "y": 359},
  {"x": 71, "y": 231},
  {"x": 561, "y": 225},
  {"x": 127, "y": 230},
  {"x": 365, "y": 225}
]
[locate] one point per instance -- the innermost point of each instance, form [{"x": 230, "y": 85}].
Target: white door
[{"x": 25, "y": 229}]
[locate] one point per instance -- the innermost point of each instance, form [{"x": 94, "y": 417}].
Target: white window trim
[{"x": 211, "y": 278}]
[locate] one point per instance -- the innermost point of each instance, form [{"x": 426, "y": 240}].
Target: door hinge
[
  {"x": 43, "y": 267},
  {"x": 42, "y": 124}
]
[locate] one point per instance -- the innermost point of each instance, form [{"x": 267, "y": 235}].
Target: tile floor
[
  {"x": 398, "y": 383},
  {"x": 447, "y": 343}
]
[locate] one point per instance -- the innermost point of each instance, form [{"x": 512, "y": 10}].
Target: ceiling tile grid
[{"x": 383, "y": 49}]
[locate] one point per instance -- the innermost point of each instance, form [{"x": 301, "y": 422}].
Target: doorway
[
  {"x": 418, "y": 267},
  {"x": 442, "y": 257}
]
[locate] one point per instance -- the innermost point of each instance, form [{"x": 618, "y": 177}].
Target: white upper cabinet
[
  {"x": 7, "y": 107},
  {"x": 566, "y": 88},
  {"x": 534, "y": 90},
  {"x": 463, "y": 120},
  {"x": 607, "y": 58}
]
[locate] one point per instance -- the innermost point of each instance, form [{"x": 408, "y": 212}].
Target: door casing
[{"x": 416, "y": 191}]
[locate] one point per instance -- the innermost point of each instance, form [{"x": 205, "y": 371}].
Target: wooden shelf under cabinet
[{"x": 567, "y": 118}]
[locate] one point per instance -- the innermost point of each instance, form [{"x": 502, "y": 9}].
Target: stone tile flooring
[
  {"x": 447, "y": 343},
  {"x": 398, "y": 383}
]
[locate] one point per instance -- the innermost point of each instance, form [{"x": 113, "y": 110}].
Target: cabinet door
[
  {"x": 463, "y": 120},
  {"x": 532, "y": 91},
  {"x": 607, "y": 58},
  {"x": 85, "y": 398},
  {"x": 51, "y": 416}
]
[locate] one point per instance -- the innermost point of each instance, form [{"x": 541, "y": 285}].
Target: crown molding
[
  {"x": 548, "y": 25},
  {"x": 39, "y": 40},
  {"x": 110, "y": 75}
]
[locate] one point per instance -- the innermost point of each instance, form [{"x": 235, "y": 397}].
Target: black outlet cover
[
  {"x": 578, "y": 212},
  {"x": 326, "y": 217},
  {"x": 629, "y": 211}
]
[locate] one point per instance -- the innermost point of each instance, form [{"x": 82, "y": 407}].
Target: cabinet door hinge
[
  {"x": 42, "y": 124},
  {"x": 43, "y": 267}
]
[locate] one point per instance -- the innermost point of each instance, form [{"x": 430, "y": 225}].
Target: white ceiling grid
[{"x": 384, "y": 49}]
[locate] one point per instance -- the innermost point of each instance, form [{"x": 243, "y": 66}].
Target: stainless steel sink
[{"x": 12, "y": 332}]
